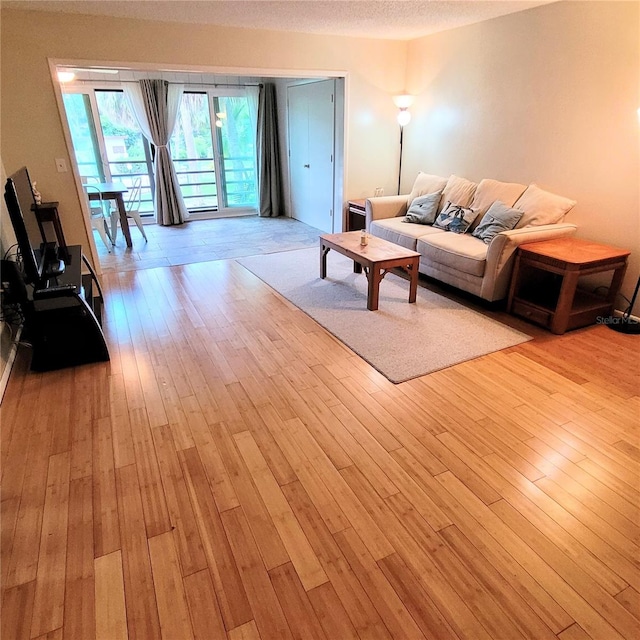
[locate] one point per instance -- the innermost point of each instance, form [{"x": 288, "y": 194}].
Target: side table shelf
[
  {"x": 545, "y": 288},
  {"x": 356, "y": 215}
]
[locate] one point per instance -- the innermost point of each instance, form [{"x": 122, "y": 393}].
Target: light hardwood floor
[{"x": 236, "y": 472}]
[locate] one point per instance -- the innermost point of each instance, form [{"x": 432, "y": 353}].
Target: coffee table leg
[
  {"x": 323, "y": 260},
  {"x": 374, "y": 288},
  {"x": 413, "y": 275}
]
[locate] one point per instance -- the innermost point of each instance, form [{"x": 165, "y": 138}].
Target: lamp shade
[
  {"x": 404, "y": 117},
  {"x": 403, "y": 101}
]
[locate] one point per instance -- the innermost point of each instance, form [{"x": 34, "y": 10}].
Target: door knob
[{"x": 306, "y": 166}]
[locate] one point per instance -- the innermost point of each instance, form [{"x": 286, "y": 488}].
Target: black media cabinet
[{"x": 63, "y": 319}]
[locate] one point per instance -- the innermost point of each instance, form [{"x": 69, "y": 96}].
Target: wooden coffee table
[{"x": 377, "y": 258}]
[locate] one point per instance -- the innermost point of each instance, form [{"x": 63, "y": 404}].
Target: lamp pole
[
  {"x": 626, "y": 324},
  {"x": 403, "y": 102},
  {"x": 400, "y": 162}
]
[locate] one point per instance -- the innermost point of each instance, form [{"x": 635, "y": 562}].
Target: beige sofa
[{"x": 463, "y": 260}]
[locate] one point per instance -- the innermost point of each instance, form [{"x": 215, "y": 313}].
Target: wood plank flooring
[{"x": 237, "y": 473}]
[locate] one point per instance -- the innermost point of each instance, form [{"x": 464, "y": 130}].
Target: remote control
[{"x": 57, "y": 290}]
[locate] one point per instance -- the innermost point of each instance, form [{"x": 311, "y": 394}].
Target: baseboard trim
[{"x": 4, "y": 380}]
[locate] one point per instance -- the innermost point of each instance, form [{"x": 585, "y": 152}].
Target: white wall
[
  {"x": 32, "y": 133},
  {"x": 7, "y": 240},
  {"x": 548, "y": 95}
]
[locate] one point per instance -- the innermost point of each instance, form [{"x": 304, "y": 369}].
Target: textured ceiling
[{"x": 389, "y": 19}]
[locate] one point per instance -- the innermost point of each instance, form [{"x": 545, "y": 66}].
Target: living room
[{"x": 549, "y": 95}]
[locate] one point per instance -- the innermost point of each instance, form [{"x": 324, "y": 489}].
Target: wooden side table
[
  {"x": 544, "y": 287},
  {"x": 356, "y": 215}
]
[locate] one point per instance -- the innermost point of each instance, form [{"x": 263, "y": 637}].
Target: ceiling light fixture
[{"x": 66, "y": 76}]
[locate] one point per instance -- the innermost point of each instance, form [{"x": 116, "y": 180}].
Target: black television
[{"x": 39, "y": 257}]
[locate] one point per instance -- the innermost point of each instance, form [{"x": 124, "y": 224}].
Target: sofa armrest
[
  {"x": 500, "y": 254},
  {"x": 385, "y": 207}
]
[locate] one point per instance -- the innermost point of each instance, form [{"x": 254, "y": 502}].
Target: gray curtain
[
  {"x": 156, "y": 107},
  {"x": 269, "y": 175}
]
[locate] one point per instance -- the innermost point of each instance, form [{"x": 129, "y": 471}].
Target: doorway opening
[{"x": 213, "y": 145}]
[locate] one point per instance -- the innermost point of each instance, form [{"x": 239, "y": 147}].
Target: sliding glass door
[
  {"x": 107, "y": 141},
  {"x": 83, "y": 135},
  {"x": 193, "y": 154},
  {"x": 127, "y": 152},
  {"x": 213, "y": 149},
  {"x": 212, "y": 146}
]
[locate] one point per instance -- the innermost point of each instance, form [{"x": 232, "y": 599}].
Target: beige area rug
[{"x": 400, "y": 340}]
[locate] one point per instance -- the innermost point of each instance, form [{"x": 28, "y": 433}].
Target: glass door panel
[
  {"x": 127, "y": 151},
  {"x": 192, "y": 153},
  {"x": 236, "y": 147},
  {"x": 83, "y": 135}
]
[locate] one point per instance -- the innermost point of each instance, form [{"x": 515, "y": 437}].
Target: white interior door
[{"x": 311, "y": 110}]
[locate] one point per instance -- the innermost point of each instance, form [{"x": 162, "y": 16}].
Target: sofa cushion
[
  {"x": 455, "y": 218},
  {"x": 424, "y": 209},
  {"x": 426, "y": 183},
  {"x": 489, "y": 191},
  {"x": 401, "y": 232},
  {"x": 458, "y": 191},
  {"x": 461, "y": 252},
  {"x": 498, "y": 218},
  {"x": 541, "y": 207}
]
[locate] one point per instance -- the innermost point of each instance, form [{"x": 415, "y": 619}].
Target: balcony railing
[{"x": 198, "y": 185}]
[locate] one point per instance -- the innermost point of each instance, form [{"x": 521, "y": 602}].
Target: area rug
[{"x": 400, "y": 340}]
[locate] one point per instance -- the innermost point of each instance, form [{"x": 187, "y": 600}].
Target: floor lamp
[
  {"x": 403, "y": 102},
  {"x": 626, "y": 324}
]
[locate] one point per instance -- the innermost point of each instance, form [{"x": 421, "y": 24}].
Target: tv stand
[{"x": 63, "y": 317}]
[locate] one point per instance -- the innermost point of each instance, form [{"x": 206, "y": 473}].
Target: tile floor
[{"x": 204, "y": 240}]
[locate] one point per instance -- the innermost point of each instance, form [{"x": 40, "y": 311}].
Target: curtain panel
[
  {"x": 155, "y": 104},
  {"x": 269, "y": 173}
]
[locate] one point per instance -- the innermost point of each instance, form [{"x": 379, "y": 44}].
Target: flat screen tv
[{"x": 39, "y": 258}]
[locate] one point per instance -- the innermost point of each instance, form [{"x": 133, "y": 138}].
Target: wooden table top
[
  {"x": 105, "y": 189},
  {"x": 376, "y": 250},
  {"x": 574, "y": 251}
]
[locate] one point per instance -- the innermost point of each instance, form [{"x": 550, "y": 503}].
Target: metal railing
[
  {"x": 240, "y": 189},
  {"x": 199, "y": 186}
]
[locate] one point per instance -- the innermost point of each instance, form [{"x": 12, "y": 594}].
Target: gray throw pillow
[
  {"x": 423, "y": 209},
  {"x": 455, "y": 218},
  {"x": 498, "y": 218}
]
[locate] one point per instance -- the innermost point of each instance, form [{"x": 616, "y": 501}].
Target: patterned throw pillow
[
  {"x": 498, "y": 218},
  {"x": 423, "y": 209},
  {"x": 455, "y": 218}
]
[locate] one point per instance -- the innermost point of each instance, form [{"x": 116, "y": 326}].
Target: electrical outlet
[{"x": 61, "y": 165}]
